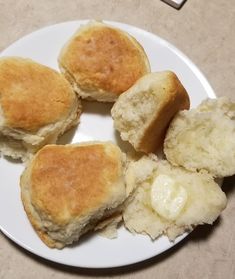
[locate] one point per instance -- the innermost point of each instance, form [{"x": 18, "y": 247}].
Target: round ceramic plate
[{"x": 93, "y": 251}]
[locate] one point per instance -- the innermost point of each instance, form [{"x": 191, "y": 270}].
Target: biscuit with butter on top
[{"x": 169, "y": 200}]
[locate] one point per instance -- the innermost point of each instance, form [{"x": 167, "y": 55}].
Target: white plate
[{"x": 94, "y": 251}]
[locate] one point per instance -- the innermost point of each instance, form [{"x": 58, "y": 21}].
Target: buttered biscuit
[{"x": 169, "y": 200}]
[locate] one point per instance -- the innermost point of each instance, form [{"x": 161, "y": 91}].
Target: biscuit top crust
[
  {"x": 32, "y": 95},
  {"x": 73, "y": 181},
  {"x": 104, "y": 58}
]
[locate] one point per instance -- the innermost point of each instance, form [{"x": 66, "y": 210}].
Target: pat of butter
[{"x": 167, "y": 197}]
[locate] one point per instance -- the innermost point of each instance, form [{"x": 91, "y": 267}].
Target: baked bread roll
[
  {"x": 101, "y": 61},
  {"x": 169, "y": 200},
  {"x": 67, "y": 189},
  {"x": 143, "y": 113},
  {"x": 203, "y": 138},
  {"x": 37, "y": 104}
]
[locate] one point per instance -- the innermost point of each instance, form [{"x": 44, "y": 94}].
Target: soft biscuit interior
[
  {"x": 203, "y": 138},
  {"x": 135, "y": 112},
  {"x": 192, "y": 199},
  {"x": 143, "y": 113}
]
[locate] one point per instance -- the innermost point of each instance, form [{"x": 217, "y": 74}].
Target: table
[{"x": 204, "y": 31}]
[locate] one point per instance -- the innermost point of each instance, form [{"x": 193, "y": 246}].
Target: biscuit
[
  {"x": 37, "y": 104},
  {"x": 204, "y": 199},
  {"x": 203, "y": 138},
  {"x": 143, "y": 113},
  {"x": 101, "y": 61},
  {"x": 68, "y": 189}
]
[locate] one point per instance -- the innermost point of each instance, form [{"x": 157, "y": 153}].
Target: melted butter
[{"x": 168, "y": 198}]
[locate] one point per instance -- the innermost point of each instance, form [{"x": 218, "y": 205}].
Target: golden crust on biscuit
[
  {"x": 104, "y": 59},
  {"x": 32, "y": 95},
  {"x": 37, "y": 105},
  {"x": 174, "y": 98},
  {"x": 66, "y": 190}
]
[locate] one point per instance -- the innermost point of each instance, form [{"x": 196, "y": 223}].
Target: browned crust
[
  {"x": 104, "y": 58},
  {"x": 69, "y": 182},
  {"x": 24, "y": 183},
  {"x": 33, "y": 95},
  {"x": 60, "y": 183},
  {"x": 175, "y": 99}
]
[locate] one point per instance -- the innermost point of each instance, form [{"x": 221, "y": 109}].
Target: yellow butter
[{"x": 168, "y": 198}]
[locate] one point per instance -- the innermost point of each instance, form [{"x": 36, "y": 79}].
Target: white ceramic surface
[{"x": 96, "y": 124}]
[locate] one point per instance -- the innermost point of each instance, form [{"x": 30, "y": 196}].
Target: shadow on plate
[
  {"x": 12, "y": 160},
  {"x": 67, "y": 137},
  {"x": 229, "y": 186},
  {"x": 124, "y": 145},
  {"x": 100, "y": 108}
]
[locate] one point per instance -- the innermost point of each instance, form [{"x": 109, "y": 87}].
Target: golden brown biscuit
[
  {"x": 143, "y": 113},
  {"x": 101, "y": 61},
  {"x": 36, "y": 103},
  {"x": 67, "y": 190}
]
